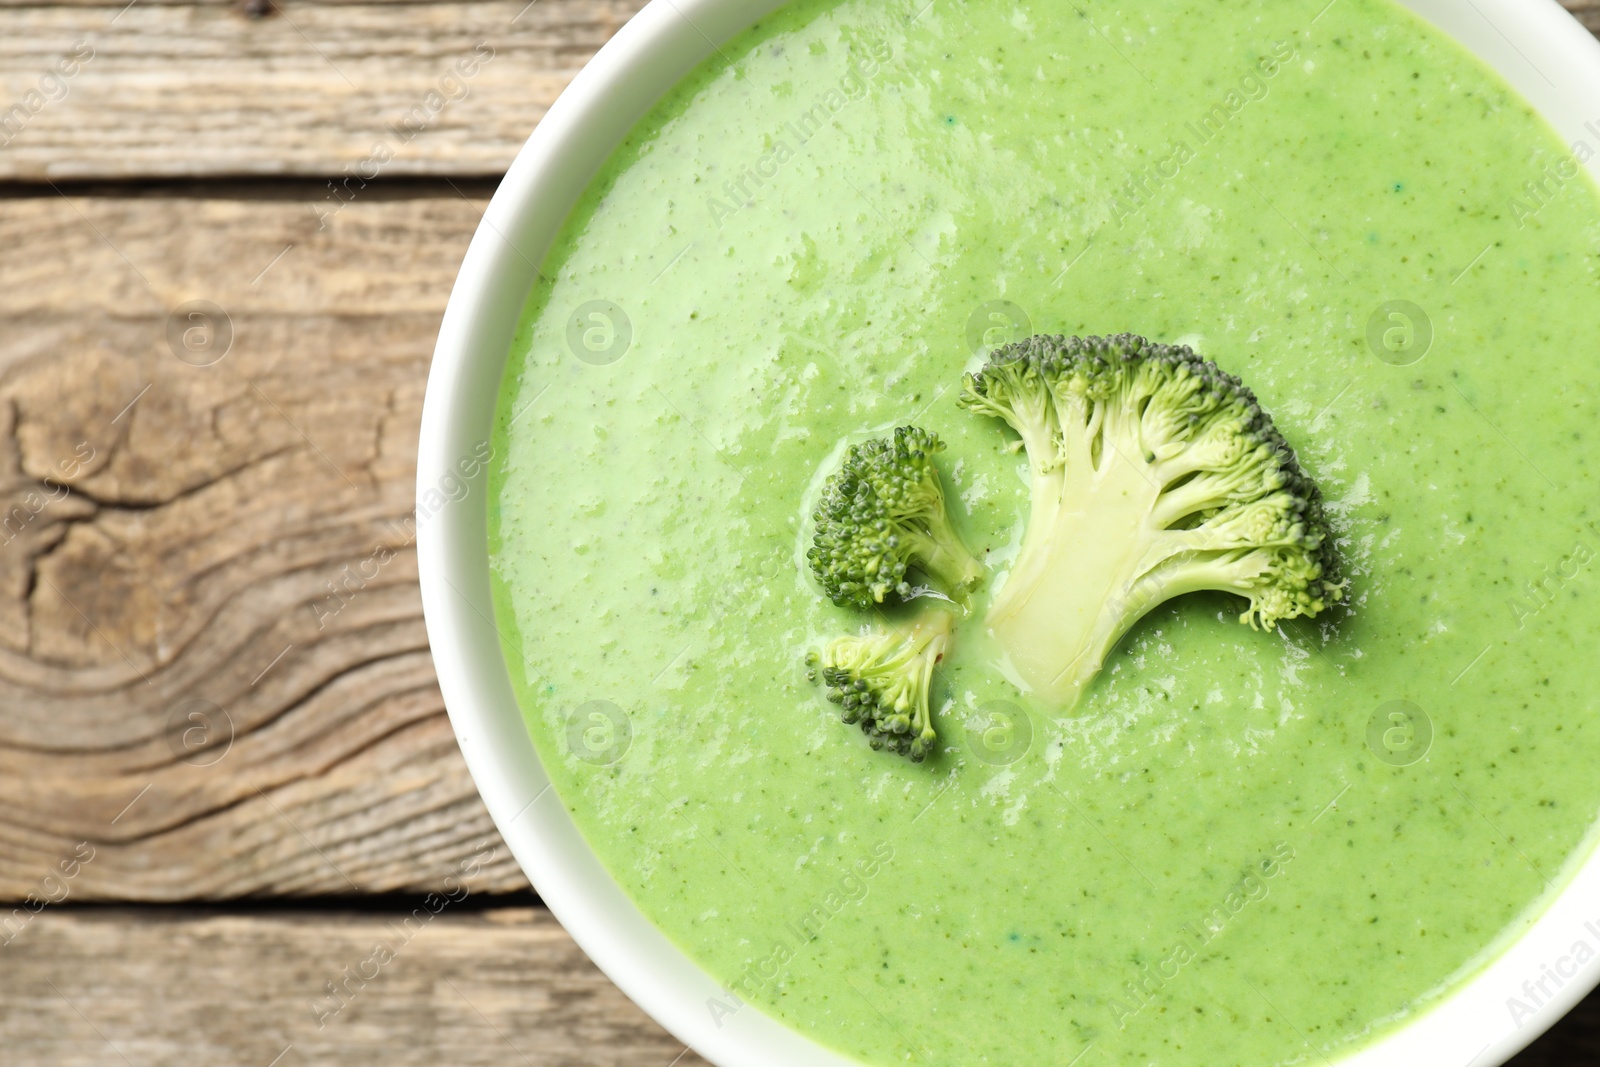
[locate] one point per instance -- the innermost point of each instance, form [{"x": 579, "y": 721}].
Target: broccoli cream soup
[{"x": 1241, "y": 845}]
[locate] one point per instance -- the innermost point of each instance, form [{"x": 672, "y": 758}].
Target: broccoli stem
[
  {"x": 1064, "y": 604},
  {"x": 1106, "y": 557},
  {"x": 941, "y": 556}
]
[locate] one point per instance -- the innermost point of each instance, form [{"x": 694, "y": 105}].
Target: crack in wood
[{"x": 201, "y": 540}]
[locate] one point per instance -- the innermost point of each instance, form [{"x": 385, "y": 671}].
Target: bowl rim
[{"x": 1536, "y": 45}]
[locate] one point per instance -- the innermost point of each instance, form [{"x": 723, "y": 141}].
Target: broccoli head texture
[
  {"x": 882, "y": 514},
  {"x": 1154, "y": 473},
  {"x": 882, "y": 678}
]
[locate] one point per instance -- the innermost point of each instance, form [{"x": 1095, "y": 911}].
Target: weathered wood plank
[
  {"x": 466, "y": 988},
  {"x": 1587, "y": 11},
  {"x": 194, "y": 546},
  {"x": 310, "y": 88}
]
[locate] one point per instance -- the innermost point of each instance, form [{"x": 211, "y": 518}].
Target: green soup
[{"x": 1250, "y": 847}]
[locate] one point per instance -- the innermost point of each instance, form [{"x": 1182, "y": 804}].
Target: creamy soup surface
[{"x": 1244, "y": 846}]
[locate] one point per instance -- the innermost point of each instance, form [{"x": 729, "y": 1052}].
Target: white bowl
[{"x": 1534, "y": 44}]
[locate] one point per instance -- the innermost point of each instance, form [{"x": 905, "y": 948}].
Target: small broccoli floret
[
  {"x": 882, "y": 678},
  {"x": 883, "y": 513},
  {"x": 1154, "y": 474}
]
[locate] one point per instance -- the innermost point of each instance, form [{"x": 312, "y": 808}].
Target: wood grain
[
  {"x": 494, "y": 988},
  {"x": 309, "y": 88},
  {"x": 199, "y": 553}
]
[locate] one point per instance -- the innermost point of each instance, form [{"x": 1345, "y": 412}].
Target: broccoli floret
[
  {"x": 882, "y": 679},
  {"x": 883, "y": 513},
  {"x": 1154, "y": 474}
]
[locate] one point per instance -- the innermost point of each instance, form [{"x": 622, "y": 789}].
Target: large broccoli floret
[
  {"x": 882, "y": 514},
  {"x": 882, "y": 679},
  {"x": 1154, "y": 474}
]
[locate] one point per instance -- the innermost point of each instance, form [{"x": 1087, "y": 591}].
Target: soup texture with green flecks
[{"x": 1244, "y": 846}]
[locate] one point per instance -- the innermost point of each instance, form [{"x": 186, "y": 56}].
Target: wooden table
[{"x": 227, "y": 232}]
